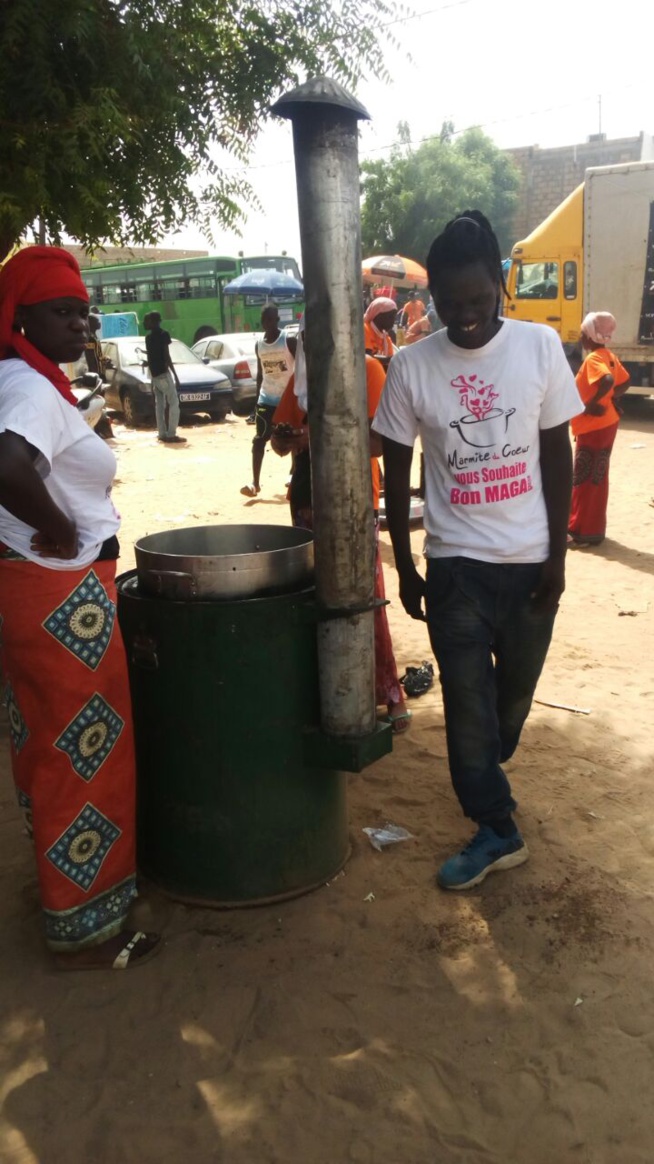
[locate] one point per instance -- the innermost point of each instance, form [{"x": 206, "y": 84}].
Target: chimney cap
[{"x": 318, "y": 91}]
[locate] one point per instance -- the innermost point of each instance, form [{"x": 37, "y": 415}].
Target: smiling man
[{"x": 490, "y": 399}]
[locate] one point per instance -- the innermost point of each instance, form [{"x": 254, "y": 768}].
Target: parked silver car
[
  {"x": 235, "y": 356},
  {"x": 129, "y": 390}
]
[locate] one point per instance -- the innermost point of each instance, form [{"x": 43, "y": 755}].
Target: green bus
[{"x": 188, "y": 293}]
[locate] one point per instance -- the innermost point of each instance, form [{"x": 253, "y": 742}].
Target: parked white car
[{"x": 235, "y": 356}]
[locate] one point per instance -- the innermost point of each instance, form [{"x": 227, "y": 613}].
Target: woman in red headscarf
[{"x": 66, "y": 685}]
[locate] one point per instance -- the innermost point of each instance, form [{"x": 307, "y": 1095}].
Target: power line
[
  {"x": 456, "y": 133},
  {"x": 429, "y": 12}
]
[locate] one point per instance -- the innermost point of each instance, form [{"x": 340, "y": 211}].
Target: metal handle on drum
[
  {"x": 144, "y": 652},
  {"x": 177, "y": 576}
]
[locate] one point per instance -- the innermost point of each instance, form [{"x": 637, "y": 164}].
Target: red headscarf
[{"x": 34, "y": 275}]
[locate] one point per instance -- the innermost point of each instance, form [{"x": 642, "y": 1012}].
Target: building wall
[
  {"x": 549, "y": 175},
  {"x": 107, "y": 256}
]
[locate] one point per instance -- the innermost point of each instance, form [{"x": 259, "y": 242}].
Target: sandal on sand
[
  {"x": 400, "y": 723},
  {"x": 250, "y": 490},
  {"x": 417, "y": 680},
  {"x": 574, "y": 544},
  {"x": 129, "y": 955},
  {"x": 124, "y": 959}
]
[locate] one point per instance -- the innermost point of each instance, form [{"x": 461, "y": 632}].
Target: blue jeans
[
  {"x": 165, "y": 393},
  {"x": 490, "y": 645}
]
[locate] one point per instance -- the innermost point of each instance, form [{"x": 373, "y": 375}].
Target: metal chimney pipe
[{"x": 325, "y": 140}]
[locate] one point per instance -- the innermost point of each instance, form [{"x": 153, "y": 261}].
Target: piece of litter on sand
[
  {"x": 341, "y": 873},
  {"x": 594, "y": 815},
  {"x": 578, "y": 1001},
  {"x": 370, "y": 897},
  {"x": 639, "y": 446},
  {"x": 389, "y": 835},
  {"x": 565, "y": 707}
]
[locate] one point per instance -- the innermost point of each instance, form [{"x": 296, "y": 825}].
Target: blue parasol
[{"x": 265, "y": 282}]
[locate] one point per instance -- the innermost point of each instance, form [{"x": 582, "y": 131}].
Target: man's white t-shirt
[
  {"x": 479, "y": 413},
  {"x": 75, "y": 464},
  {"x": 277, "y": 365}
]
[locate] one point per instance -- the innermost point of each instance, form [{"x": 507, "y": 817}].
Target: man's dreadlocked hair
[{"x": 468, "y": 238}]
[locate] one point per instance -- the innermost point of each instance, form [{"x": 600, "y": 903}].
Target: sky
[{"x": 528, "y": 73}]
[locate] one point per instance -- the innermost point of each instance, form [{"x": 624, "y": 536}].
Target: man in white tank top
[{"x": 275, "y": 364}]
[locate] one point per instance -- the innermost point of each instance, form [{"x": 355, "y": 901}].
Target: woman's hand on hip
[{"x": 65, "y": 547}]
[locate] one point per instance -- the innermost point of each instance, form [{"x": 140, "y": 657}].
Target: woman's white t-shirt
[
  {"x": 75, "y": 464},
  {"x": 479, "y": 413}
]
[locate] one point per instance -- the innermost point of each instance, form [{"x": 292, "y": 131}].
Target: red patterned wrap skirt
[{"x": 66, "y": 690}]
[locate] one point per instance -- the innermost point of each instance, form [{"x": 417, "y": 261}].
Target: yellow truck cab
[
  {"x": 546, "y": 275},
  {"x": 594, "y": 252}
]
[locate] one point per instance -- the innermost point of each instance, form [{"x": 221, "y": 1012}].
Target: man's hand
[
  {"x": 594, "y": 408},
  {"x": 412, "y": 592},
  {"x": 289, "y": 440},
  {"x": 550, "y": 586}
]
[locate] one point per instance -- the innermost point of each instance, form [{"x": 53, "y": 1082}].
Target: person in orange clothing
[
  {"x": 418, "y": 330},
  {"x": 601, "y": 380},
  {"x": 414, "y": 309},
  {"x": 291, "y": 435},
  {"x": 378, "y": 323}
]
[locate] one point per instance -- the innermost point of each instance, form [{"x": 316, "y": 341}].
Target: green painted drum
[{"x": 223, "y": 693}]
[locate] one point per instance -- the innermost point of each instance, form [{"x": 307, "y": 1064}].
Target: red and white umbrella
[{"x": 394, "y": 269}]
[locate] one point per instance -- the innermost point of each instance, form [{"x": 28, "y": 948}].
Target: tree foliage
[
  {"x": 408, "y": 199},
  {"x": 110, "y": 109}
]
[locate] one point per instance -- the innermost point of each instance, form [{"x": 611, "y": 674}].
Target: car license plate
[{"x": 184, "y": 396}]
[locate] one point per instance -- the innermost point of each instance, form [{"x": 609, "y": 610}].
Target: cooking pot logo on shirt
[{"x": 484, "y": 424}]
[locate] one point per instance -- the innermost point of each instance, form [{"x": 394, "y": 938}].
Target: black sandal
[{"x": 417, "y": 680}]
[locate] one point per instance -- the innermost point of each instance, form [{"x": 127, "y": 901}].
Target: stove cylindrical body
[
  {"x": 223, "y": 692},
  {"x": 325, "y": 136}
]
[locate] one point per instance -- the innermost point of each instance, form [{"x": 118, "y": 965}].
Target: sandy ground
[{"x": 513, "y": 1024}]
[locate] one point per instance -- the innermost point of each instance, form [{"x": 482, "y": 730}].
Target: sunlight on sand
[
  {"x": 13, "y": 1036},
  {"x": 229, "y": 1114},
  {"x": 480, "y": 975}
]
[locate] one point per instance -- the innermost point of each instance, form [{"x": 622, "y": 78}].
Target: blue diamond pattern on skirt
[
  {"x": 84, "y": 621},
  {"x": 17, "y": 725},
  {"x": 88, "y": 922},
  {"x": 25, "y": 805},
  {"x": 80, "y": 851},
  {"x": 89, "y": 738}
]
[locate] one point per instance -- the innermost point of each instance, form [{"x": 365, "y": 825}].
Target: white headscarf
[{"x": 599, "y": 326}]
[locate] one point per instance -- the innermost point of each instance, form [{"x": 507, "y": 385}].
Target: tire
[
  {"x": 130, "y": 415},
  {"x": 219, "y": 414},
  {"x": 245, "y": 408},
  {"x": 202, "y": 332}
]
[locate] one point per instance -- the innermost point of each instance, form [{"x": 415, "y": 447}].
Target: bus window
[
  {"x": 171, "y": 288},
  {"x": 570, "y": 280},
  {"x": 112, "y": 293},
  {"x": 537, "y": 281},
  {"x": 283, "y": 263},
  {"x": 201, "y": 286}
]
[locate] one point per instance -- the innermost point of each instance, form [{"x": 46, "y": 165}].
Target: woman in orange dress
[
  {"x": 601, "y": 380},
  {"x": 378, "y": 322},
  {"x": 291, "y": 435}
]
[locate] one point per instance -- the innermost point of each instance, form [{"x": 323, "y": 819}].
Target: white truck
[{"x": 595, "y": 252}]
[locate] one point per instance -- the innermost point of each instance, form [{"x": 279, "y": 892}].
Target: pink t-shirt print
[{"x": 483, "y": 424}]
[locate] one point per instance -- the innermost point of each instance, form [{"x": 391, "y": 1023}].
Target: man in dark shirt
[{"x": 165, "y": 381}]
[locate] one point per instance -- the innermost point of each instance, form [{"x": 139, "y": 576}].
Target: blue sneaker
[{"x": 484, "y": 854}]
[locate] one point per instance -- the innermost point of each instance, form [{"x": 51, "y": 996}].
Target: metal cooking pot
[{"x": 224, "y": 561}]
